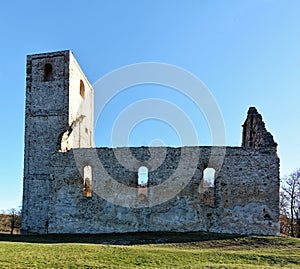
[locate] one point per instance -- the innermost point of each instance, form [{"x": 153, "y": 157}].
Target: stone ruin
[{"x": 72, "y": 187}]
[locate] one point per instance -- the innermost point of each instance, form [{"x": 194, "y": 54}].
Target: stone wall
[
  {"x": 245, "y": 200},
  {"x": 246, "y": 195}
]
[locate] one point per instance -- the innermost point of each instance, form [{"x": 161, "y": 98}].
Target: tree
[
  {"x": 15, "y": 219},
  {"x": 284, "y": 220},
  {"x": 290, "y": 203}
]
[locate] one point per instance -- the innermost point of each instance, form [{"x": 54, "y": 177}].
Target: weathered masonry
[{"x": 72, "y": 187}]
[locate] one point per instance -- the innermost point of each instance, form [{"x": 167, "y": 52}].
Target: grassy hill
[{"x": 193, "y": 250}]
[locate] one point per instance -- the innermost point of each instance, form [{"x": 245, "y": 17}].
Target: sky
[{"x": 247, "y": 53}]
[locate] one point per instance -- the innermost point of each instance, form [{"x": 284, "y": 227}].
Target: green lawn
[{"x": 202, "y": 252}]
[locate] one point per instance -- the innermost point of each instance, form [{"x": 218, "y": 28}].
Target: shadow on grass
[{"x": 120, "y": 239}]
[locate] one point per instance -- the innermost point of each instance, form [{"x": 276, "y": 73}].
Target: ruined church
[{"x": 71, "y": 187}]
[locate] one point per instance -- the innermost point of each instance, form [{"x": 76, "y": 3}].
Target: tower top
[{"x": 50, "y": 54}]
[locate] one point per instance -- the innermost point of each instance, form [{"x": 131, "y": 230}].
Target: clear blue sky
[{"x": 246, "y": 52}]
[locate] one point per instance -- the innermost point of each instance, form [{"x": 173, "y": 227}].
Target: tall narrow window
[
  {"x": 87, "y": 181},
  {"x": 48, "y": 72},
  {"x": 207, "y": 187},
  {"x": 82, "y": 89},
  {"x": 143, "y": 176},
  {"x": 142, "y": 190}
]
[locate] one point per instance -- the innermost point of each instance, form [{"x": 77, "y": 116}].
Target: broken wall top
[{"x": 255, "y": 134}]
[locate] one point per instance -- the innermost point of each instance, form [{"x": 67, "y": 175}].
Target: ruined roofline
[
  {"x": 216, "y": 149},
  {"x": 172, "y": 147},
  {"x": 255, "y": 137}
]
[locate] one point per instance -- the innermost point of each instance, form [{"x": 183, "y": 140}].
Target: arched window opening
[
  {"x": 209, "y": 177},
  {"x": 87, "y": 181},
  {"x": 82, "y": 89},
  {"x": 48, "y": 72},
  {"x": 143, "y": 176},
  {"x": 207, "y": 187}
]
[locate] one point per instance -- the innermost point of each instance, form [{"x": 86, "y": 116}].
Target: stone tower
[{"x": 58, "y": 117}]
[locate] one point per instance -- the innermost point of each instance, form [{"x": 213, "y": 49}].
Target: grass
[{"x": 193, "y": 250}]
